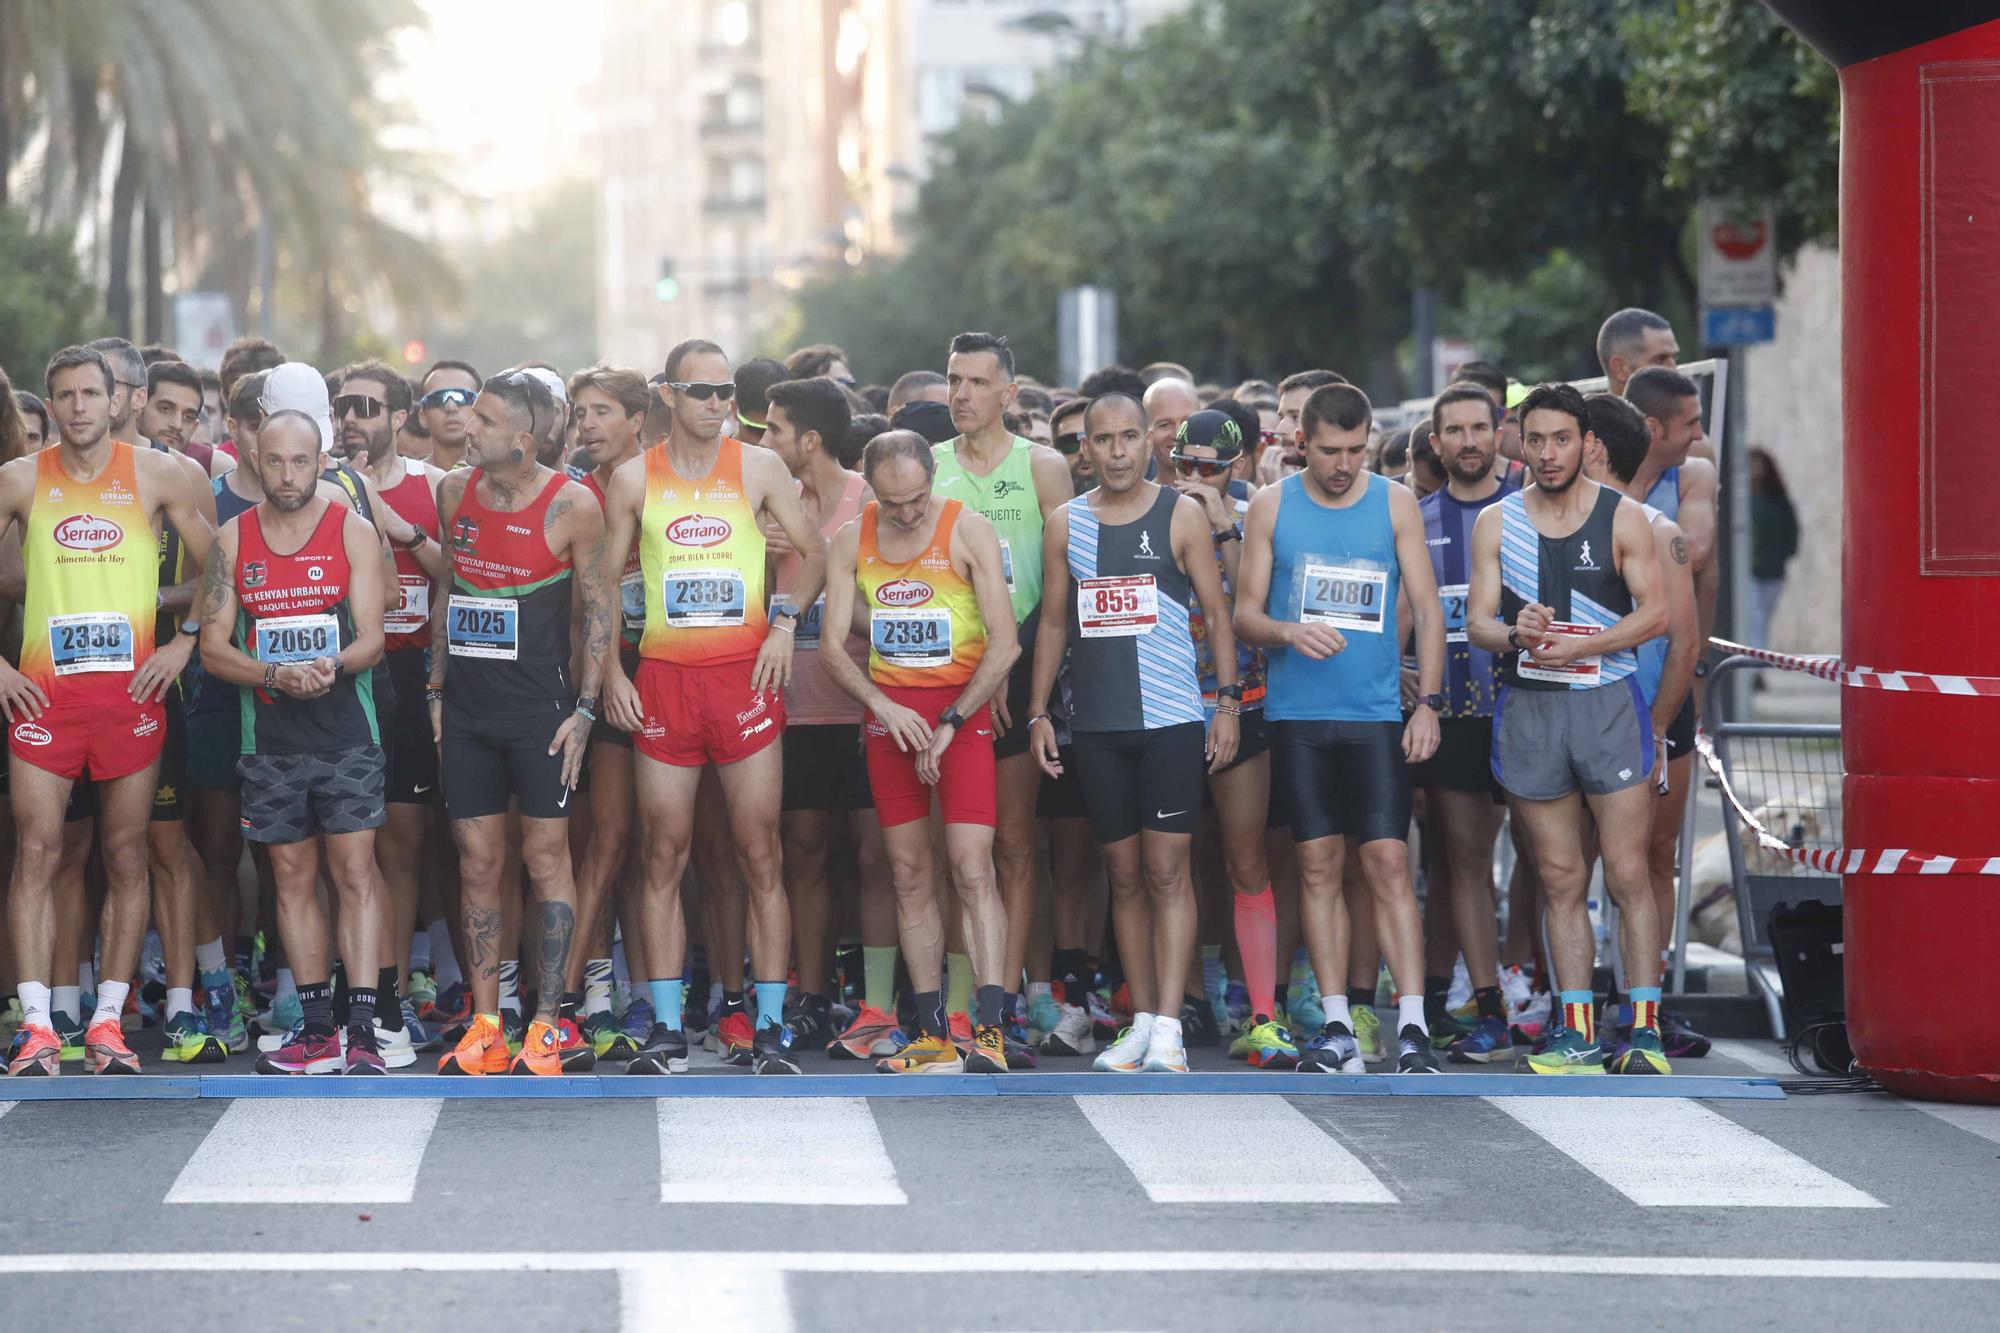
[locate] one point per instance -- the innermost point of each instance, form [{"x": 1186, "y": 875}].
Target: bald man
[{"x": 1168, "y": 403}]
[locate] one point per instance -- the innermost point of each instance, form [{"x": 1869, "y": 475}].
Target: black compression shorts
[
  {"x": 1342, "y": 779},
  {"x": 490, "y": 760},
  {"x": 1135, "y": 780},
  {"x": 413, "y": 761}
]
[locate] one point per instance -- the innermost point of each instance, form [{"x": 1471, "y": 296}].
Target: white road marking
[
  {"x": 793, "y": 1150},
  {"x": 729, "y": 1298},
  {"x": 1674, "y": 1153},
  {"x": 1981, "y": 1120},
  {"x": 1296, "y": 1161},
  {"x": 330, "y": 1151},
  {"x": 1763, "y": 1059},
  {"x": 5, "y": 1107}
]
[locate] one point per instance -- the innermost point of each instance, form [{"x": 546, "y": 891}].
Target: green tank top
[{"x": 1006, "y": 498}]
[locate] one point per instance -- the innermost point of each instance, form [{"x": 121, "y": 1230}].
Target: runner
[
  {"x": 1014, "y": 484},
  {"x": 1326, "y": 553},
  {"x": 941, "y": 642},
  {"x": 1565, "y": 586},
  {"x": 1632, "y": 339},
  {"x": 292, "y": 616},
  {"x": 511, "y": 727},
  {"x": 88, "y": 695},
  {"x": 708, "y": 686},
  {"x": 445, "y": 403},
  {"x": 1140, "y": 553}
]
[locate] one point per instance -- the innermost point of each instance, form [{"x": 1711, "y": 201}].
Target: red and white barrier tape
[
  {"x": 1833, "y": 669},
  {"x": 1842, "y": 860}
]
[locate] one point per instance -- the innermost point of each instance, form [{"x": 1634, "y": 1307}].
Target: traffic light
[{"x": 668, "y": 287}]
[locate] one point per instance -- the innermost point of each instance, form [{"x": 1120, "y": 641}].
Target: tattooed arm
[{"x": 575, "y": 529}]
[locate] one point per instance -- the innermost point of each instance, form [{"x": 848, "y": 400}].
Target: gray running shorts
[
  {"x": 290, "y": 797},
  {"x": 1548, "y": 743}
]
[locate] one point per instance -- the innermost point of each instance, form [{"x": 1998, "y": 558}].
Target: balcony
[
  {"x": 725, "y": 128},
  {"x": 733, "y": 205}
]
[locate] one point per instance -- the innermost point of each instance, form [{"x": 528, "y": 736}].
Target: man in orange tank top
[{"x": 87, "y": 699}]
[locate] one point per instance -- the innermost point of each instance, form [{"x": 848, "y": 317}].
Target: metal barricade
[{"x": 1788, "y": 775}]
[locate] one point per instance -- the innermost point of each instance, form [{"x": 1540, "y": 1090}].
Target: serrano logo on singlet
[
  {"x": 88, "y": 532},
  {"x": 698, "y": 530},
  {"x": 903, "y": 592},
  {"x": 30, "y": 734}
]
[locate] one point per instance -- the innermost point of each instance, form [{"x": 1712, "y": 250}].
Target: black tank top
[
  {"x": 1130, "y": 645},
  {"x": 507, "y": 626},
  {"x": 1575, "y": 576}
]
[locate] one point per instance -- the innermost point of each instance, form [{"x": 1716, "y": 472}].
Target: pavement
[{"x": 1252, "y": 1199}]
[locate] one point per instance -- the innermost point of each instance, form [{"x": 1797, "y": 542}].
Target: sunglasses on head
[
  {"x": 1206, "y": 467},
  {"x": 448, "y": 398},
  {"x": 358, "y": 404},
  {"x": 701, "y": 390}
]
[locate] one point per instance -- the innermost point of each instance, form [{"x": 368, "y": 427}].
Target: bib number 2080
[{"x": 1345, "y": 597}]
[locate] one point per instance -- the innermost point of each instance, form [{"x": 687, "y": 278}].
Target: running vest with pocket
[
  {"x": 1577, "y": 578},
  {"x": 1471, "y": 675},
  {"x": 924, "y": 627},
  {"x": 1336, "y": 567},
  {"x": 812, "y": 699},
  {"x": 702, "y": 557},
  {"x": 93, "y": 576},
  {"x": 631, "y": 584},
  {"x": 1006, "y": 498},
  {"x": 406, "y": 623},
  {"x": 507, "y": 620},
  {"x": 1131, "y": 651},
  {"x": 293, "y": 608}
]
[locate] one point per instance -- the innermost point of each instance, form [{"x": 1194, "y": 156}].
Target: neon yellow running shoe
[
  {"x": 189, "y": 1042},
  {"x": 1643, "y": 1055},
  {"x": 1270, "y": 1047},
  {"x": 1368, "y": 1032},
  {"x": 1567, "y": 1053}
]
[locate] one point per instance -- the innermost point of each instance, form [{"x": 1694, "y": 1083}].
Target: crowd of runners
[{"x": 523, "y": 724}]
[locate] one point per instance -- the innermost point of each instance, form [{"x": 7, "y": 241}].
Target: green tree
[{"x": 45, "y": 304}]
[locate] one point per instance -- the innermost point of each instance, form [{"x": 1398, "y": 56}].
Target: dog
[{"x": 1712, "y": 915}]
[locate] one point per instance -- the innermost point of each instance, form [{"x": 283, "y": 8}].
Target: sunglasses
[
  {"x": 358, "y": 404},
  {"x": 701, "y": 391},
  {"x": 1205, "y": 467},
  {"x": 1069, "y": 442},
  {"x": 448, "y": 398}
]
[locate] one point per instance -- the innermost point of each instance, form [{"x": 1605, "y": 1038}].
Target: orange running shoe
[
  {"x": 482, "y": 1050},
  {"x": 541, "y": 1051},
  {"x": 105, "y": 1051},
  {"x": 37, "y": 1052},
  {"x": 735, "y": 1038},
  {"x": 578, "y": 1055},
  {"x": 961, "y": 1033}
]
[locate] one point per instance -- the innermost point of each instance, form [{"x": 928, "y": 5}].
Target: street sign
[
  {"x": 1739, "y": 253},
  {"x": 1448, "y": 356},
  {"x": 1738, "y": 326},
  {"x": 204, "y": 326}
]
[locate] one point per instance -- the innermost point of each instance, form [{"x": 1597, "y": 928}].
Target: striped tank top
[
  {"x": 702, "y": 557},
  {"x": 93, "y": 573},
  {"x": 924, "y": 627},
  {"x": 1576, "y": 578},
  {"x": 1131, "y": 648}
]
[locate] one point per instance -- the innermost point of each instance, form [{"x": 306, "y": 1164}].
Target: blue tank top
[
  {"x": 1471, "y": 675},
  {"x": 1652, "y": 653},
  {"x": 1666, "y": 494},
  {"x": 1337, "y": 567}
]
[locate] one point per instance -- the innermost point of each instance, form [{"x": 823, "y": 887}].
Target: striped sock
[
  {"x": 1645, "y": 1008},
  {"x": 1578, "y": 1014}
]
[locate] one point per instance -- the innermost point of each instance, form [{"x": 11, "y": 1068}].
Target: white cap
[
  {"x": 550, "y": 381},
  {"x": 297, "y": 387}
]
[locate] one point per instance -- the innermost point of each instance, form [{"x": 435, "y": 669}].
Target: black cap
[
  {"x": 1212, "y": 429},
  {"x": 929, "y": 419}
]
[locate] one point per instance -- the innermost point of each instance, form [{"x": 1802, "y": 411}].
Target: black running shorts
[
  {"x": 413, "y": 761},
  {"x": 1135, "y": 780},
  {"x": 489, "y": 761},
  {"x": 1341, "y": 779},
  {"x": 826, "y": 768}
]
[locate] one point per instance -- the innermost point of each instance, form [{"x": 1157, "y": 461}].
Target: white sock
[
  {"x": 1410, "y": 1012},
  {"x": 64, "y": 1000},
  {"x": 510, "y": 987},
  {"x": 1166, "y": 1030},
  {"x": 597, "y": 986},
  {"x": 180, "y": 1000},
  {"x": 34, "y": 997},
  {"x": 1337, "y": 1010},
  {"x": 212, "y": 956},
  {"x": 286, "y": 986},
  {"x": 1142, "y": 1026},
  {"x": 420, "y": 951},
  {"x": 110, "y": 1001}
]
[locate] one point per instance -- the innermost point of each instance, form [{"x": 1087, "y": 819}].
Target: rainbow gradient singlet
[{"x": 93, "y": 570}]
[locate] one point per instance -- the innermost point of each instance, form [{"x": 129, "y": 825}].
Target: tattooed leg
[
  {"x": 481, "y": 852},
  {"x": 545, "y": 853}
]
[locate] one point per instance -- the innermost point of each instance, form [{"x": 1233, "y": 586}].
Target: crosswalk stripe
[
  {"x": 798, "y": 1150},
  {"x": 1295, "y": 1160},
  {"x": 1673, "y": 1153},
  {"x": 1761, "y": 1059},
  {"x": 5, "y": 1107},
  {"x": 1981, "y": 1120},
  {"x": 336, "y": 1150}
]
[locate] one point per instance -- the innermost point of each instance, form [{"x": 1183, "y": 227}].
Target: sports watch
[
  {"x": 1434, "y": 702},
  {"x": 951, "y": 717}
]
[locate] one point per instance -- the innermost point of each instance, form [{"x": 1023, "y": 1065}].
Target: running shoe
[
  {"x": 362, "y": 1057},
  {"x": 514, "y": 1026},
  {"x": 1268, "y": 1046},
  {"x": 637, "y": 1024},
  {"x": 452, "y": 1005},
  {"x": 988, "y": 1052},
  {"x": 1306, "y": 1008},
  {"x": 482, "y": 1050},
  {"x": 277, "y": 1041},
  {"x": 1458, "y": 995},
  {"x": 1445, "y": 1030},
  {"x": 246, "y": 997},
  {"x": 541, "y": 1051},
  {"x": 1530, "y": 1019},
  {"x": 1644, "y": 1054},
  {"x": 398, "y": 1049},
  {"x": 36, "y": 1052},
  {"x": 283, "y": 1015},
  {"x": 105, "y": 1051},
  {"x": 926, "y": 1055},
  {"x": 1072, "y": 1035},
  {"x": 1123, "y": 1056},
  {"x": 811, "y": 1024},
  {"x": 734, "y": 1039},
  {"x": 1368, "y": 1033},
  {"x": 1333, "y": 1050},
  {"x": 189, "y": 1042},
  {"x": 1236, "y": 1003},
  {"x": 304, "y": 1055},
  {"x": 70, "y": 1033},
  {"x": 578, "y": 1055},
  {"x": 1044, "y": 1014},
  {"x": 870, "y": 1035},
  {"x": 1414, "y": 1051},
  {"x": 699, "y": 1017},
  {"x": 1517, "y": 986},
  {"x": 1566, "y": 1052},
  {"x": 961, "y": 1032},
  {"x": 665, "y": 1051},
  {"x": 11, "y": 1016},
  {"x": 224, "y": 1023},
  {"x": 1104, "y": 1024},
  {"x": 605, "y": 1038},
  {"x": 1680, "y": 1041},
  {"x": 422, "y": 1038},
  {"x": 1198, "y": 1027},
  {"x": 1165, "y": 1054},
  {"x": 423, "y": 989},
  {"x": 1488, "y": 1041},
  {"x": 772, "y": 1051},
  {"x": 1020, "y": 1050}
]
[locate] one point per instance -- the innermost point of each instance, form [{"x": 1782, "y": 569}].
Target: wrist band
[
  {"x": 786, "y": 628},
  {"x": 1041, "y": 717},
  {"x": 270, "y": 676},
  {"x": 433, "y": 694},
  {"x": 585, "y": 713}
]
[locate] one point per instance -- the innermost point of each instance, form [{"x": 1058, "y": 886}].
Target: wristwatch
[
  {"x": 417, "y": 542},
  {"x": 1233, "y": 533},
  {"x": 190, "y": 626},
  {"x": 951, "y": 717},
  {"x": 1434, "y": 702},
  {"x": 1514, "y": 638},
  {"x": 1229, "y": 692}
]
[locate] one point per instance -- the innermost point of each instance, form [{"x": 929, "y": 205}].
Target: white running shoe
[
  {"x": 1460, "y": 993},
  {"x": 1071, "y": 1035},
  {"x": 1533, "y": 1016},
  {"x": 1126, "y": 1055},
  {"x": 395, "y": 1048},
  {"x": 1516, "y": 987},
  {"x": 1165, "y": 1053}
]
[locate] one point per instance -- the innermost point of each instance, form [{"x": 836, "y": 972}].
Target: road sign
[
  {"x": 204, "y": 326},
  {"x": 1738, "y": 326},
  {"x": 1448, "y": 355},
  {"x": 1739, "y": 253}
]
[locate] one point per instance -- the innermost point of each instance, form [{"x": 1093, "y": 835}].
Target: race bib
[
  {"x": 1583, "y": 673},
  {"x": 632, "y": 599},
  {"x": 1453, "y": 595},
  {"x": 483, "y": 627},
  {"x": 1344, "y": 596},
  {"x": 1007, "y": 564},
  {"x": 918, "y": 637},
  {"x": 285, "y": 640},
  {"x": 1117, "y": 608},
  {"x": 90, "y": 641},
  {"x": 703, "y": 598},
  {"x": 806, "y": 632},
  {"x": 412, "y": 610}
]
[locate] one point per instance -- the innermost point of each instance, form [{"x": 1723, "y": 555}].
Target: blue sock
[
  {"x": 1213, "y": 979},
  {"x": 666, "y": 1002},
  {"x": 770, "y": 1003}
]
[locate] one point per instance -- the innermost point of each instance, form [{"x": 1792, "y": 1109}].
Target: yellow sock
[{"x": 958, "y": 984}]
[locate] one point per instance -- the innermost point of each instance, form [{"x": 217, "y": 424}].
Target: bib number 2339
[
  {"x": 483, "y": 627},
  {"x": 703, "y": 598},
  {"x": 1346, "y": 597}
]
